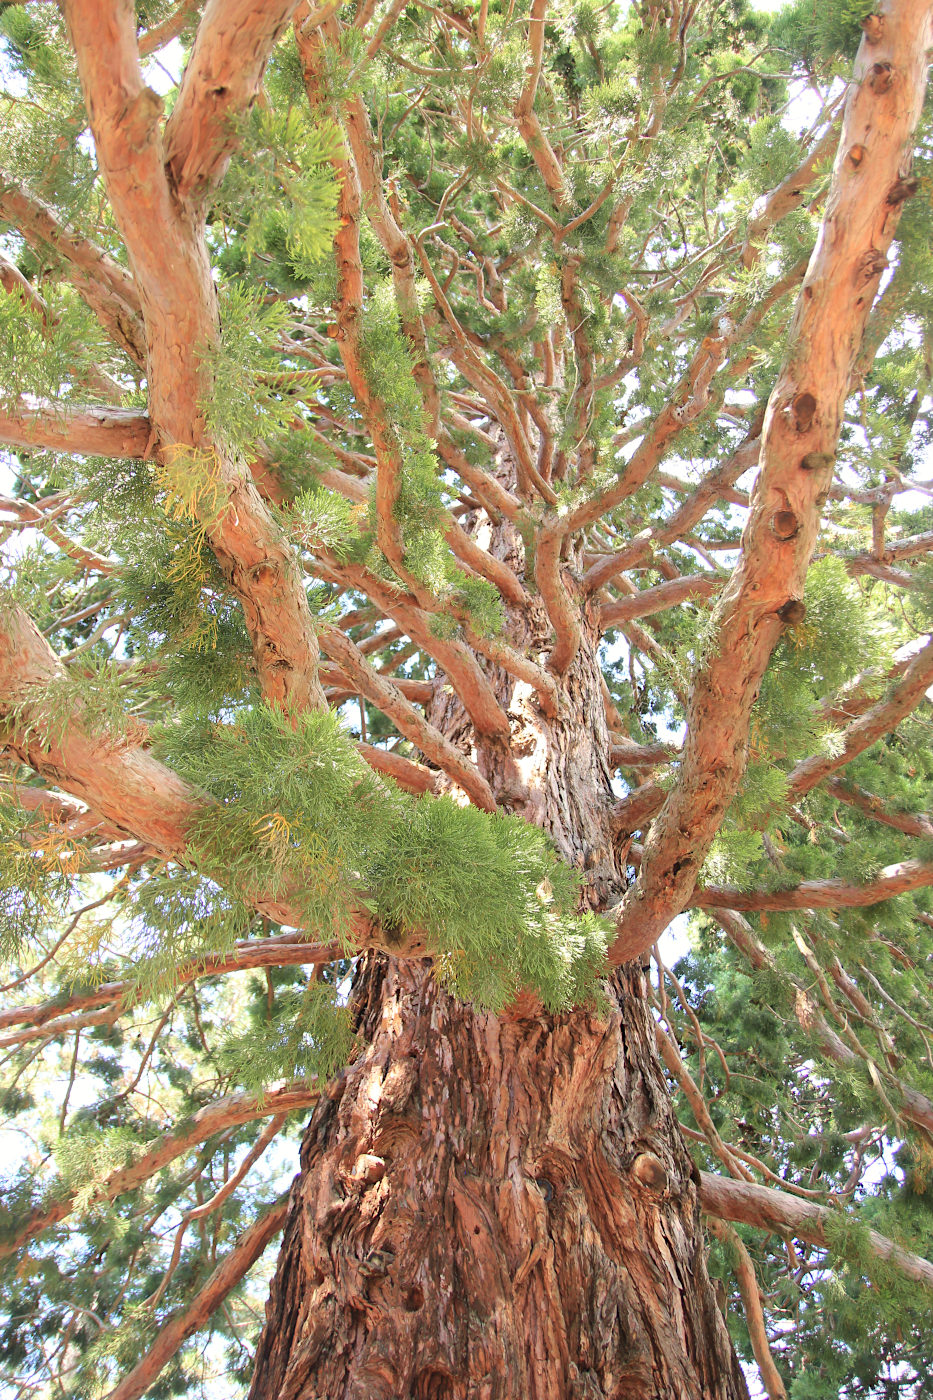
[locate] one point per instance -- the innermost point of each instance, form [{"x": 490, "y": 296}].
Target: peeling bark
[
  {"x": 494, "y": 1207},
  {"x": 501, "y": 1206}
]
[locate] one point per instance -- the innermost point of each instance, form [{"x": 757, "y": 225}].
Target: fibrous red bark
[
  {"x": 493, "y": 1207},
  {"x": 502, "y": 1205}
]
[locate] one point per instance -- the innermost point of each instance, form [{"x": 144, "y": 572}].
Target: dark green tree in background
[{"x": 464, "y": 507}]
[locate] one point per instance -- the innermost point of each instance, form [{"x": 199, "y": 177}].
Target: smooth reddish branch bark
[
  {"x": 750, "y": 1204},
  {"x": 801, "y": 430},
  {"x": 163, "y": 231}
]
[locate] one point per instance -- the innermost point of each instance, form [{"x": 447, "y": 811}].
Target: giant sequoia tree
[{"x": 464, "y": 509}]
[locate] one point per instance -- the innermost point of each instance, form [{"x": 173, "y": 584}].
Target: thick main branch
[{"x": 799, "y": 440}]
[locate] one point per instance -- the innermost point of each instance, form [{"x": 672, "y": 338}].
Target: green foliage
[
  {"x": 86, "y": 1158},
  {"x": 330, "y": 520},
  {"x": 282, "y": 193},
  {"x": 547, "y": 295},
  {"x": 310, "y": 1033},
  {"x": 420, "y": 501},
  {"x": 91, "y": 690},
  {"x": 667, "y": 145},
  {"x": 527, "y": 935},
  {"x": 821, "y": 34},
  {"x": 839, "y": 638},
  {"x": 46, "y": 357},
  {"x": 34, "y": 875},
  {"x": 185, "y": 632},
  {"x": 301, "y": 817},
  {"x": 177, "y": 918},
  {"x": 28, "y": 50},
  {"x": 251, "y": 395}
]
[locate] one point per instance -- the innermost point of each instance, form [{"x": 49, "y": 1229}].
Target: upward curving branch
[
  {"x": 798, "y": 450},
  {"x": 215, "y": 1118},
  {"x": 881, "y": 719},
  {"x": 223, "y": 77},
  {"x": 165, "y": 241},
  {"x": 181, "y": 1325}
]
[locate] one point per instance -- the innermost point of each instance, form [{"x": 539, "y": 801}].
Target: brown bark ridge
[
  {"x": 502, "y": 1205},
  {"x": 494, "y": 1207},
  {"x": 799, "y": 439}
]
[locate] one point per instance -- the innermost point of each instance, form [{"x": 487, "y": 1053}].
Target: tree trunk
[
  {"x": 494, "y": 1207},
  {"x": 502, "y": 1206}
]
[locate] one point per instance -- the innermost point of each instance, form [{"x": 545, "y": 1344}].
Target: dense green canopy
[{"x": 436, "y": 295}]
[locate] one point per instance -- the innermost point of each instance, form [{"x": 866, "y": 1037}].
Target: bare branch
[
  {"x": 270, "y": 1131},
  {"x": 12, "y": 280},
  {"x": 672, "y": 1059},
  {"x": 283, "y": 950},
  {"x": 655, "y": 600},
  {"x": 122, "y": 782},
  {"x": 539, "y": 147},
  {"x": 397, "y": 246},
  {"x": 893, "y": 880},
  {"x": 384, "y": 27},
  {"x": 772, "y": 207},
  {"x": 33, "y": 516},
  {"x": 747, "y": 1280},
  {"x": 166, "y": 246},
  {"x": 747, "y": 1203},
  {"x": 117, "y": 778},
  {"x": 161, "y": 34},
  {"x": 223, "y": 77},
  {"x": 641, "y": 548},
  {"x": 872, "y": 805},
  {"x": 91, "y": 429},
  {"x": 634, "y": 812},
  {"x": 222, "y": 1281},
  {"x": 455, "y": 659},
  {"x": 407, "y": 719},
  {"x": 562, "y": 609},
  {"x": 413, "y": 777}
]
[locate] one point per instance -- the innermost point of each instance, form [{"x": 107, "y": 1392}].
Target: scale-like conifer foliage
[{"x": 465, "y": 496}]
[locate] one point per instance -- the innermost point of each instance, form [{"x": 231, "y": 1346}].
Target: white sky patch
[{"x": 163, "y": 72}]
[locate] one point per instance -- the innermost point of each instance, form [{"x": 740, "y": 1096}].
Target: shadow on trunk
[{"x": 494, "y": 1207}]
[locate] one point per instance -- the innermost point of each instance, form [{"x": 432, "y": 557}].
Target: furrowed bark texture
[
  {"x": 494, "y": 1207},
  {"x": 502, "y": 1206}
]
